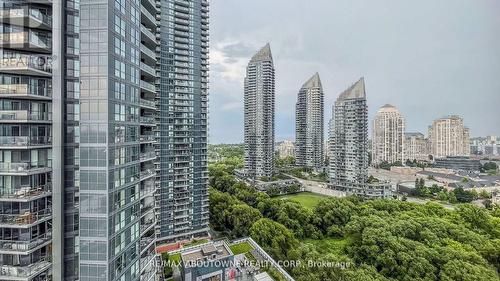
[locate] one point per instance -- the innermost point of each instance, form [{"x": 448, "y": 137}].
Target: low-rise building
[
  {"x": 458, "y": 163},
  {"x": 210, "y": 261},
  {"x": 378, "y": 190}
]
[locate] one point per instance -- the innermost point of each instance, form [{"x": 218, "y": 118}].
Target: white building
[
  {"x": 388, "y": 136},
  {"x": 416, "y": 147},
  {"x": 449, "y": 137},
  {"x": 286, "y": 149}
]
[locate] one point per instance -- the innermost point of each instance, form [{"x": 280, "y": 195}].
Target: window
[
  {"x": 119, "y": 47},
  {"x": 120, "y": 26},
  {"x": 119, "y": 69}
]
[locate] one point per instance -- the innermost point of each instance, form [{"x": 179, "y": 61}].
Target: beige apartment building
[
  {"x": 448, "y": 136},
  {"x": 388, "y": 136}
]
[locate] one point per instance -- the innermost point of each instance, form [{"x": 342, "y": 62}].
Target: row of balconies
[
  {"x": 24, "y": 116},
  {"x": 25, "y": 193},
  {"x": 23, "y": 168},
  {"x": 25, "y": 141},
  {"x": 29, "y": 17},
  {"x": 11, "y": 272},
  {"x": 27, "y": 40},
  {"x": 21, "y": 64},
  {"x": 25, "y": 219},
  {"x": 24, "y": 246},
  {"x": 24, "y": 91}
]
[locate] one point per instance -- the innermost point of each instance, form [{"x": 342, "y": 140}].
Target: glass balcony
[
  {"x": 147, "y": 156},
  {"x": 26, "y": 41},
  {"x": 150, "y": 18},
  {"x": 147, "y": 51},
  {"x": 148, "y": 34},
  {"x": 148, "y": 86},
  {"x": 21, "y": 246},
  {"x": 24, "y": 116},
  {"x": 147, "y": 138},
  {"x": 24, "y": 141},
  {"x": 35, "y": 65},
  {"x": 147, "y": 103},
  {"x": 148, "y": 69},
  {"x": 24, "y": 168},
  {"x": 29, "y": 17},
  {"x": 10, "y": 272},
  {"x": 148, "y": 120},
  {"x": 25, "y": 219},
  {"x": 25, "y": 192},
  {"x": 24, "y": 91}
]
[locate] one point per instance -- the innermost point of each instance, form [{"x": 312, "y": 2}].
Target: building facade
[
  {"x": 448, "y": 136},
  {"x": 488, "y": 146},
  {"x": 388, "y": 136},
  {"x": 259, "y": 114},
  {"x": 285, "y": 149},
  {"x": 309, "y": 124},
  {"x": 416, "y": 147},
  {"x": 349, "y": 138},
  {"x": 99, "y": 126},
  {"x": 39, "y": 93},
  {"x": 183, "y": 109}
]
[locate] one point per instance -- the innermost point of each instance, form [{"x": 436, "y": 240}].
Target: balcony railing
[
  {"x": 147, "y": 155},
  {"x": 24, "y": 245},
  {"x": 26, "y": 218},
  {"x": 24, "y": 115},
  {"x": 147, "y": 102},
  {"x": 26, "y": 271},
  {"x": 27, "y": 64},
  {"x": 36, "y": 16},
  {"x": 26, "y": 191},
  {"x": 148, "y": 86},
  {"x": 148, "y": 120},
  {"x": 23, "y": 90},
  {"x": 147, "y": 138},
  {"x": 25, "y": 39},
  {"x": 24, "y": 141},
  {"x": 24, "y": 167}
]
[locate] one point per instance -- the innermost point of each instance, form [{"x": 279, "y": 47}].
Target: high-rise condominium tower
[
  {"x": 388, "y": 136},
  {"x": 183, "y": 109},
  {"x": 449, "y": 137},
  {"x": 309, "y": 124},
  {"x": 259, "y": 114},
  {"x": 349, "y": 139},
  {"x": 87, "y": 102},
  {"x": 416, "y": 147},
  {"x": 39, "y": 135}
]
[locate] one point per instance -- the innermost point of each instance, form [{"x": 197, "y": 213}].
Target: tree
[
  {"x": 242, "y": 217},
  {"x": 464, "y": 196},
  {"x": 276, "y": 239},
  {"x": 488, "y": 166}
]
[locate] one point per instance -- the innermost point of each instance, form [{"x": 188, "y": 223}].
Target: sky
[{"x": 428, "y": 58}]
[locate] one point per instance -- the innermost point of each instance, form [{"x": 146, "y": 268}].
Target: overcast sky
[{"x": 429, "y": 58}]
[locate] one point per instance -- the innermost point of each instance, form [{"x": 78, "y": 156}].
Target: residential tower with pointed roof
[
  {"x": 259, "y": 91},
  {"x": 309, "y": 124}
]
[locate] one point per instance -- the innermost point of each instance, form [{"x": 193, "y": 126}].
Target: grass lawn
[
  {"x": 241, "y": 248},
  {"x": 175, "y": 258},
  {"x": 330, "y": 245},
  {"x": 195, "y": 242},
  {"x": 306, "y": 199}
]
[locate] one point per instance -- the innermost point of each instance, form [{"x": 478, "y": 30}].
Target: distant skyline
[{"x": 428, "y": 58}]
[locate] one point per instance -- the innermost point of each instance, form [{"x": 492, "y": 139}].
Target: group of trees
[
  {"x": 388, "y": 239},
  {"x": 457, "y": 195},
  {"x": 489, "y": 167}
]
